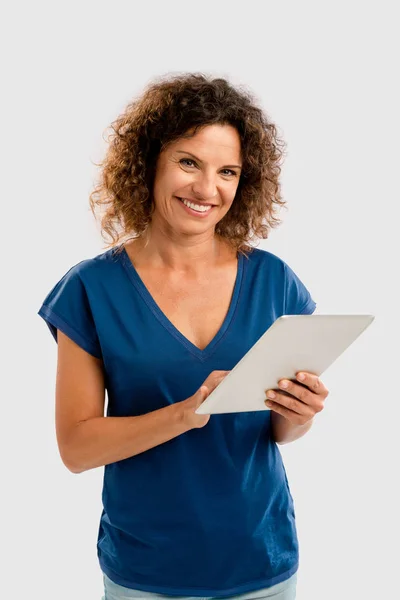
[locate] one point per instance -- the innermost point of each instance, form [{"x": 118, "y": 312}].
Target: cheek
[
  {"x": 180, "y": 179},
  {"x": 174, "y": 181},
  {"x": 230, "y": 193}
]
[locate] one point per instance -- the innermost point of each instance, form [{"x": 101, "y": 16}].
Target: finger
[
  {"x": 303, "y": 395},
  {"x": 290, "y": 415},
  {"x": 312, "y": 381},
  {"x": 300, "y": 392},
  {"x": 291, "y": 403}
]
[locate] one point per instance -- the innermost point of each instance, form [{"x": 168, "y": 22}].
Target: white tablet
[{"x": 293, "y": 343}]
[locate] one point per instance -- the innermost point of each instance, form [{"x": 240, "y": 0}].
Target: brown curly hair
[{"x": 170, "y": 107}]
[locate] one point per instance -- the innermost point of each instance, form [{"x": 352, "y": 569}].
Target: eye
[{"x": 186, "y": 160}]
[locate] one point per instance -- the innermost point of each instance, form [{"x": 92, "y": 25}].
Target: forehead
[{"x": 211, "y": 139}]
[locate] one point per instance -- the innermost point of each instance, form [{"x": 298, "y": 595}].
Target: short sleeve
[
  {"x": 298, "y": 300},
  {"x": 66, "y": 307}
]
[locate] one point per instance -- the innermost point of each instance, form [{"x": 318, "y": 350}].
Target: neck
[{"x": 182, "y": 256}]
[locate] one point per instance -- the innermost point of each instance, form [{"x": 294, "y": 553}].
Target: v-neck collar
[{"x": 148, "y": 298}]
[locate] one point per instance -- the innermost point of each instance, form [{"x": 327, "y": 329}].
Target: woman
[{"x": 192, "y": 505}]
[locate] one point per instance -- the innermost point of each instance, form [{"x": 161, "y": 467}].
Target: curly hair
[{"x": 169, "y": 108}]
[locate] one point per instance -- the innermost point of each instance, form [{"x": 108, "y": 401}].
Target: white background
[{"x": 326, "y": 74}]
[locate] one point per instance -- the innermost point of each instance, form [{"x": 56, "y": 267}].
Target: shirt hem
[{"x": 201, "y": 592}]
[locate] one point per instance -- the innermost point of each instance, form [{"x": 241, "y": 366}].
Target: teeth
[{"x": 195, "y": 206}]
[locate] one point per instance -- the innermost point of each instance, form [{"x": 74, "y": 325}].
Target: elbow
[
  {"x": 74, "y": 454},
  {"x": 71, "y": 466},
  {"x": 69, "y": 461},
  {"x": 75, "y": 466},
  {"x": 69, "y": 454},
  {"x": 74, "y": 470}
]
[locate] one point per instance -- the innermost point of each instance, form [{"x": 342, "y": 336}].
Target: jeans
[{"x": 286, "y": 590}]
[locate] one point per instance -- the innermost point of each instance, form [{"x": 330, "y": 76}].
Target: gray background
[{"x": 326, "y": 73}]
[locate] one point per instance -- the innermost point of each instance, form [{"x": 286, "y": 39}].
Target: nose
[{"x": 204, "y": 187}]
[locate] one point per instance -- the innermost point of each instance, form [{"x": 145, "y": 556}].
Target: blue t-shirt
[{"x": 208, "y": 513}]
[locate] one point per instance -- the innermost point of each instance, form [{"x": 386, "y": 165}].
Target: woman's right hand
[{"x": 192, "y": 403}]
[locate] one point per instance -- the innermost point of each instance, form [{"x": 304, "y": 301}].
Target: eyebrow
[{"x": 224, "y": 167}]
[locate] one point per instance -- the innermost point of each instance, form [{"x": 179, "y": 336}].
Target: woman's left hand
[{"x": 299, "y": 402}]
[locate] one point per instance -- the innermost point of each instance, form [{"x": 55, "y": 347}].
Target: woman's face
[{"x": 204, "y": 170}]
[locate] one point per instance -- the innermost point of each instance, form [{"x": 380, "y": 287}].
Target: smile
[{"x": 199, "y": 208}]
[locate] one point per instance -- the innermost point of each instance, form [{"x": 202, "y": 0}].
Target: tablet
[{"x": 293, "y": 343}]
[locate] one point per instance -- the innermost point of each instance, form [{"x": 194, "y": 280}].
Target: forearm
[
  {"x": 104, "y": 440},
  {"x": 283, "y": 431}
]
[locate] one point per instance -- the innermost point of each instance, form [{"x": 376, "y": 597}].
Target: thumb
[{"x": 203, "y": 392}]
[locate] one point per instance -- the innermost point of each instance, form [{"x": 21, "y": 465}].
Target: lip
[
  {"x": 194, "y": 213},
  {"x": 195, "y": 201}
]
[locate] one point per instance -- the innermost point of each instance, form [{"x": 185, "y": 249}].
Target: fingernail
[{"x": 271, "y": 394}]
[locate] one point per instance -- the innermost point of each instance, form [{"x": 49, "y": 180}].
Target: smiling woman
[
  {"x": 203, "y": 187},
  {"x": 219, "y": 140},
  {"x": 192, "y": 505}
]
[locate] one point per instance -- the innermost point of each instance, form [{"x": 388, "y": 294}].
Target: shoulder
[
  {"x": 276, "y": 274},
  {"x": 89, "y": 268},
  {"x": 264, "y": 258}
]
